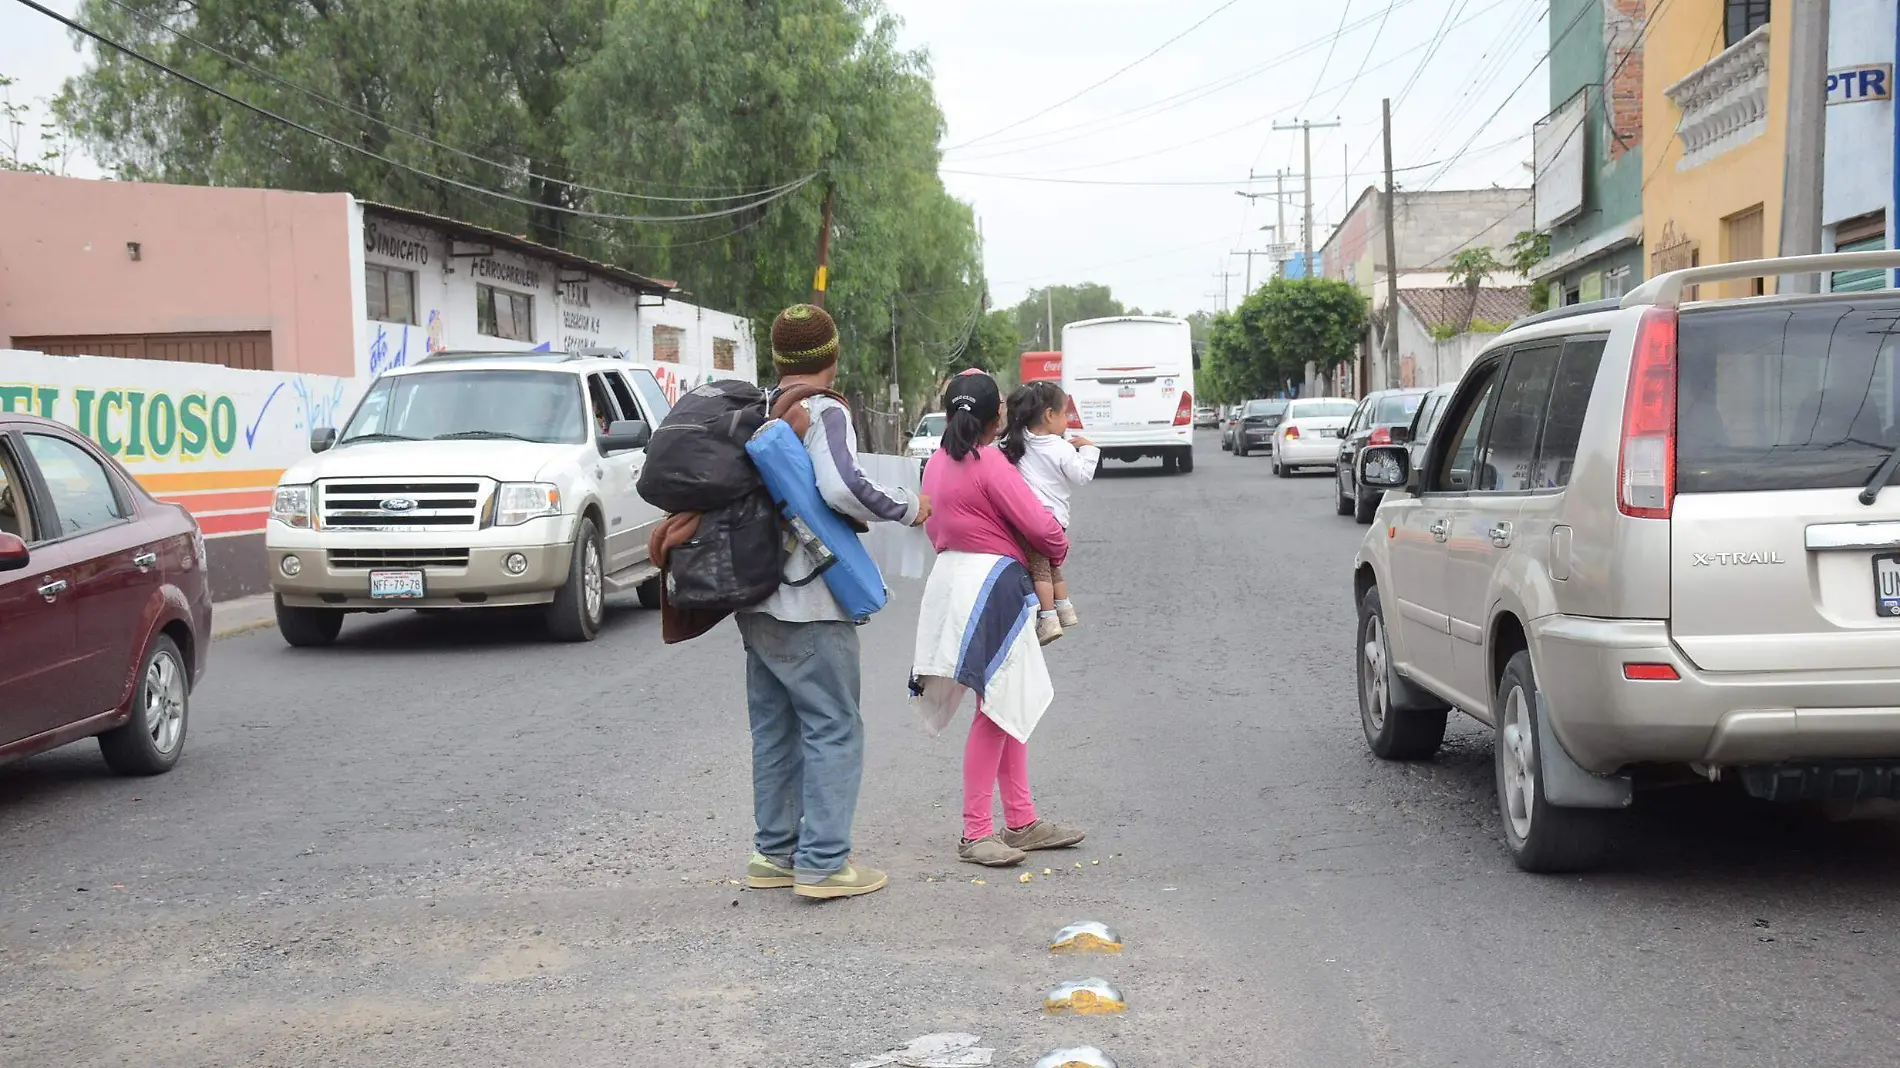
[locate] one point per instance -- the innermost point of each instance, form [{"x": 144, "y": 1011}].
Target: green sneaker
[
  {"x": 850, "y": 881},
  {"x": 763, "y": 874}
]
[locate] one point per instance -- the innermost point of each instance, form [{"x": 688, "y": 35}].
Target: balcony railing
[{"x": 1724, "y": 103}]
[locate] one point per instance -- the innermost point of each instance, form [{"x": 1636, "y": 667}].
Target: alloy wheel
[
  {"x": 165, "y": 701},
  {"x": 1372, "y": 661},
  {"x": 1517, "y": 760}
]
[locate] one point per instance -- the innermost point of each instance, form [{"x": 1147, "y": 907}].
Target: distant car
[
  {"x": 1379, "y": 414},
  {"x": 104, "y": 604},
  {"x": 1206, "y": 417},
  {"x": 927, "y": 438},
  {"x": 1253, "y": 428},
  {"x": 1308, "y": 435}
]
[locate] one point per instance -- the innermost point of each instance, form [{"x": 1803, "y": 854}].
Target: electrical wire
[
  {"x": 418, "y": 171},
  {"x": 1229, "y": 183}
]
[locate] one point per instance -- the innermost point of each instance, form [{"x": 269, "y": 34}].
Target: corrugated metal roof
[
  {"x": 1446, "y": 306},
  {"x": 639, "y": 282}
]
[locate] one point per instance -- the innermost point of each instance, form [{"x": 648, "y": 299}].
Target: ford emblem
[{"x": 398, "y": 504}]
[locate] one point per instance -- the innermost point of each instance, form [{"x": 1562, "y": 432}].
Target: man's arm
[{"x": 843, "y": 484}]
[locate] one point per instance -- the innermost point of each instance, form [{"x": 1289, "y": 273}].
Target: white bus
[{"x": 1130, "y": 381}]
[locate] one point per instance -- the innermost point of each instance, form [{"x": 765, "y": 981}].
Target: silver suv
[{"x": 1647, "y": 538}]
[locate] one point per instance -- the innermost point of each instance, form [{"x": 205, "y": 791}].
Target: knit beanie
[{"x": 804, "y": 340}]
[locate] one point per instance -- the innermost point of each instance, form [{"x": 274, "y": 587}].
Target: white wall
[
  {"x": 593, "y": 312},
  {"x": 1859, "y": 159},
  {"x": 1434, "y": 362}
]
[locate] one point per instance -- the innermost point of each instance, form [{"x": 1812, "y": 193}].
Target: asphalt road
[{"x": 445, "y": 842}]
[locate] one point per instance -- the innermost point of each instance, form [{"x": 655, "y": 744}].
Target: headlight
[
  {"x": 291, "y": 506},
  {"x": 518, "y": 502}
]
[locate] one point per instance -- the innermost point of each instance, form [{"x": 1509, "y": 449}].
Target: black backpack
[{"x": 696, "y": 460}]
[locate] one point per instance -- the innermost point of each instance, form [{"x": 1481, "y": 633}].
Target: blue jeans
[{"x": 807, "y": 740}]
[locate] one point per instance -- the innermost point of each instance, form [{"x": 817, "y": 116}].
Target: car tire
[
  {"x": 1168, "y": 463},
  {"x": 1225, "y": 445},
  {"x": 1184, "y": 462},
  {"x": 1542, "y": 837},
  {"x": 1393, "y": 732},
  {"x": 308, "y": 628},
  {"x": 151, "y": 741},
  {"x": 1240, "y": 446},
  {"x": 1364, "y": 507},
  {"x": 1281, "y": 469},
  {"x": 578, "y": 607},
  {"x": 1342, "y": 503},
  {"x": 649, "y": 592}
]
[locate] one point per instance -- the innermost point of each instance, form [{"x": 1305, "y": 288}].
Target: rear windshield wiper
[
  {"x": 1882, "y": 475},
  {"x": 377, "y": 437}
]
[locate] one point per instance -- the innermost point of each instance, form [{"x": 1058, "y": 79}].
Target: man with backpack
[{"x": 802, "y": 667}]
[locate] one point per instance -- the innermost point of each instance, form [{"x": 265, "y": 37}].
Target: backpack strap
[{"x": 788, "y": 404}]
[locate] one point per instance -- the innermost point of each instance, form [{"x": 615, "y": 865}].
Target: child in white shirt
[{"x": 1032, "y": 439}]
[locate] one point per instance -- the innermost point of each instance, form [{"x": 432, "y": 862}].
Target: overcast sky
[{"x": 1202, "y": 109}]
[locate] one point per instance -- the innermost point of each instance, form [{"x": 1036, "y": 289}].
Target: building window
[
  {"x": 1865, "y": 234},
  {"x": 1616, "y": 282},
  {"x": 504, "y": 314},
  {"x": 723, "y": 349},
  {"x": 1742, "y": 240},
  {"x": 666, "y": 344},
  {"x": 1744, "y": 17},
  {"x": 392, "y": 294}
]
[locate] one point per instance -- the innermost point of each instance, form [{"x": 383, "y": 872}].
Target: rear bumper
[
  {"x": 1726, "y": 719},
  {"x": 1305, "y": 452},
  {"x": 1137, "y": 443}
]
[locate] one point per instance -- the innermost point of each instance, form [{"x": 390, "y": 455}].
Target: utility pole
[
  {"x": 1806, "y": 140},
  {"x": 1279, "y": 227},
  {"x": 1223, "y": 275},
  {"x": 821, "y": 279},
  {"x": 1250, "y": 254},
  {"x": 892, "y": 420},
  {"x": 1391, "y": 338},
  {"x": 1306, "y": 128},
  {"x": 1049, "y": 310}
]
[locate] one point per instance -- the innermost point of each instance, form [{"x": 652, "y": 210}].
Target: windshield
[
  {"x": 1265, "y": 407},
  {"x": 931, "y": 426},
  {"x": 540, "y": 406},
  {"x": 1320, "y": 409},
  {"x": 1397, "y": 410},
  {"x": 1782, "y": 398}
]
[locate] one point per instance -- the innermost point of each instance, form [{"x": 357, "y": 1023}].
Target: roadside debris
[
  {"x": 1087, "y": 936},
  {"x": 1080, "y": 1057},
  {"x": 948, "y": 1050},
  {"x": 1084, "y": 997}
]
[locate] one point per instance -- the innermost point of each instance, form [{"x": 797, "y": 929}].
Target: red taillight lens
[
  {"x": 1646, "y": 466},
  {"x": 1381, "y": 435},
  {"x": 1650, "y": 672},
  {"x": 1292, "y": 432},
  {"x": 1075, "y": 417},
  {"x": 1184, "y": 412}
]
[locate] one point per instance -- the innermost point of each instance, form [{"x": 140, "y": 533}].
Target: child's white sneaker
[
  {"x": 1066, "y": 614},
  {"x": 1048, "y": 627}
]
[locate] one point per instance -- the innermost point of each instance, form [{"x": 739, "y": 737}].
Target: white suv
[
  {"x": 472, "y": 480},
  {"x": 1646, "y": 540}
]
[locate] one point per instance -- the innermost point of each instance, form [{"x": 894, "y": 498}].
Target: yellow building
[{"x": 1715, "y": 94}]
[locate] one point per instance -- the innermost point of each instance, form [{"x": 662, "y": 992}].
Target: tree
[
  {"x": 14, "y": 118},
  {"x": 1070, "y": 304},
  {"x": 1318, "y": 321},
  {"x": 1472, "y": 268},
  {"x": 1528, "y": 249}
]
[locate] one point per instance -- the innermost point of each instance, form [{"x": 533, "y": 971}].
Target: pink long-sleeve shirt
[{"x": 979, "y": 504}]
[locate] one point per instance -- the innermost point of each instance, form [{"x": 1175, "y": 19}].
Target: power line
[
  {"x": 1200, "y": 182},
  {"x": 1367, "y": 56},
  {"x": 1490, "y": 66},
  {"x": 418, "y": 171},
  {"x": 1078, "y": 94},
  {"x": 313, "y": 94},
  {"x": 1345, "y": 9}
]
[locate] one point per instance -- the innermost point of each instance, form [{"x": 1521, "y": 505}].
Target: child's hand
[
  {"x": 1078, "y": 441},
  {"x": 923, "y": 510}
]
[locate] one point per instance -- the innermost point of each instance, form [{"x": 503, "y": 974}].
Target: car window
[
  {"x": 16, "y": 512},
  {"x": 600, "y": 403},
  {"x": 1512, "y": 443},
  {"x": 930, "y": 426},
  {"x": 1426, "y": 416},
  {"x": 652, "y": 397},
  {"x": 1397, "y": 409},
  {"x": 1263, "y": 407},
  {"x": 1563, "y": 427},
  {"x": 81, "y": 491},
  {"x": 1320, "y": 409},
  {"x": 1464, "y": 427},
  {"x": 544, "y": 406},
  {"x": 1359, "y": 417},
  {"x": 1787, "y": 397},
  {"x": 623, "y": 396}
]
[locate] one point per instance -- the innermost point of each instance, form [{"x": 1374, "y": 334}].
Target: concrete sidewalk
[{"x": 242, "y": 615}]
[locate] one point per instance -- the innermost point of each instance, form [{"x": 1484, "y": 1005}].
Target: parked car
[
  {"x": 1650, "y": 537},
  {"x": 473, "y": 480},
  {"x": 1254, "y": 425},
  {"x": 104, "y": 604},
  {"x": 1307, "y": 436},
  {"x": 1207, "y": 417},
  {"x": 1372, "y": 424},
  {"x": 927, "y": 438}
]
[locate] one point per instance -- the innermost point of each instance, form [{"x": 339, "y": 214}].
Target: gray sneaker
[
  {"x": 849, "y": 881},
  {"x": 763, "y": 873},
  {"x": 990, "y": 852},
  {"x": 1067, "y": 615},
  {"x": 1043, "y": 834}
]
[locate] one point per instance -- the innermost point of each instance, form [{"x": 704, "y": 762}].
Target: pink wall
[{"x": 210, "y": 260}]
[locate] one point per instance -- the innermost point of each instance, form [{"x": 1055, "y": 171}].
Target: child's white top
[{"x": 1053, "y": 468}]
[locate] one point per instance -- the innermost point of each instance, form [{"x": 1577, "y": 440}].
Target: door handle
[
  {"x": 1501, "y": 535},
  {"x": 1441, "y": 530},
  {"x": 145, "y": 560},
  {"x": 52, "y": 590}
]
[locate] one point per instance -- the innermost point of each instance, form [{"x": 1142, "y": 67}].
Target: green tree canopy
[
  {"x": 1263, "y": 346},
  {"x": 1069, "y": 304}
]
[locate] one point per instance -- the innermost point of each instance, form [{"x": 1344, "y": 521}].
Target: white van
[{"x": 1130, "y": 381}]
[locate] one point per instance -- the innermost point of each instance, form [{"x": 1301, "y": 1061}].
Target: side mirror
[
  {"x": 1385, "y": 466},
  {"x": 1401, "y": 435},
  {"x": 322, "y": 438},
  {"x": 13, "y": 552},
  {"x": 1340, "y": 433},
  {"x": 624, "y": 434}
]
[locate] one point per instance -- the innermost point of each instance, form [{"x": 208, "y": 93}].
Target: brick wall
[{"x": 1623, "y": 66}]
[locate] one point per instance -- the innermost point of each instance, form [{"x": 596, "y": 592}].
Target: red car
[{"x": 105, "y": 611}]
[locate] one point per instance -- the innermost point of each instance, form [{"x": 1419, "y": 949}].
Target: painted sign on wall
[
  {"x": 211, "y": 438},
  {"x": 1853, "y": 85}
]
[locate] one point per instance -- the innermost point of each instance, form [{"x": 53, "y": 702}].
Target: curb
[{"x": 235, "y": 629}]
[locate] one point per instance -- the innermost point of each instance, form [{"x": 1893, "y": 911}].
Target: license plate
[
  {"x": 1887, "y": 585},
  {"x": 1097, "y": 412},
  {"x": 396, "y": 585}
]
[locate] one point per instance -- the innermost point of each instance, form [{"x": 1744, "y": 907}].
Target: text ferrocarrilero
[{"x": 507, "y": 272}]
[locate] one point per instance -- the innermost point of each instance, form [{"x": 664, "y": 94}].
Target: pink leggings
[{"x": 991, "y": 758}]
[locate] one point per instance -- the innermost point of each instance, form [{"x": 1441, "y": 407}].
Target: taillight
[
  {"x": 1292, "y": 431},
  {"x": 1184, "y": 412},
  {"x": 1381, "y": 435},
  {"x": 1646, "y": 464},
  {"x": 1075, "y": 417}
]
